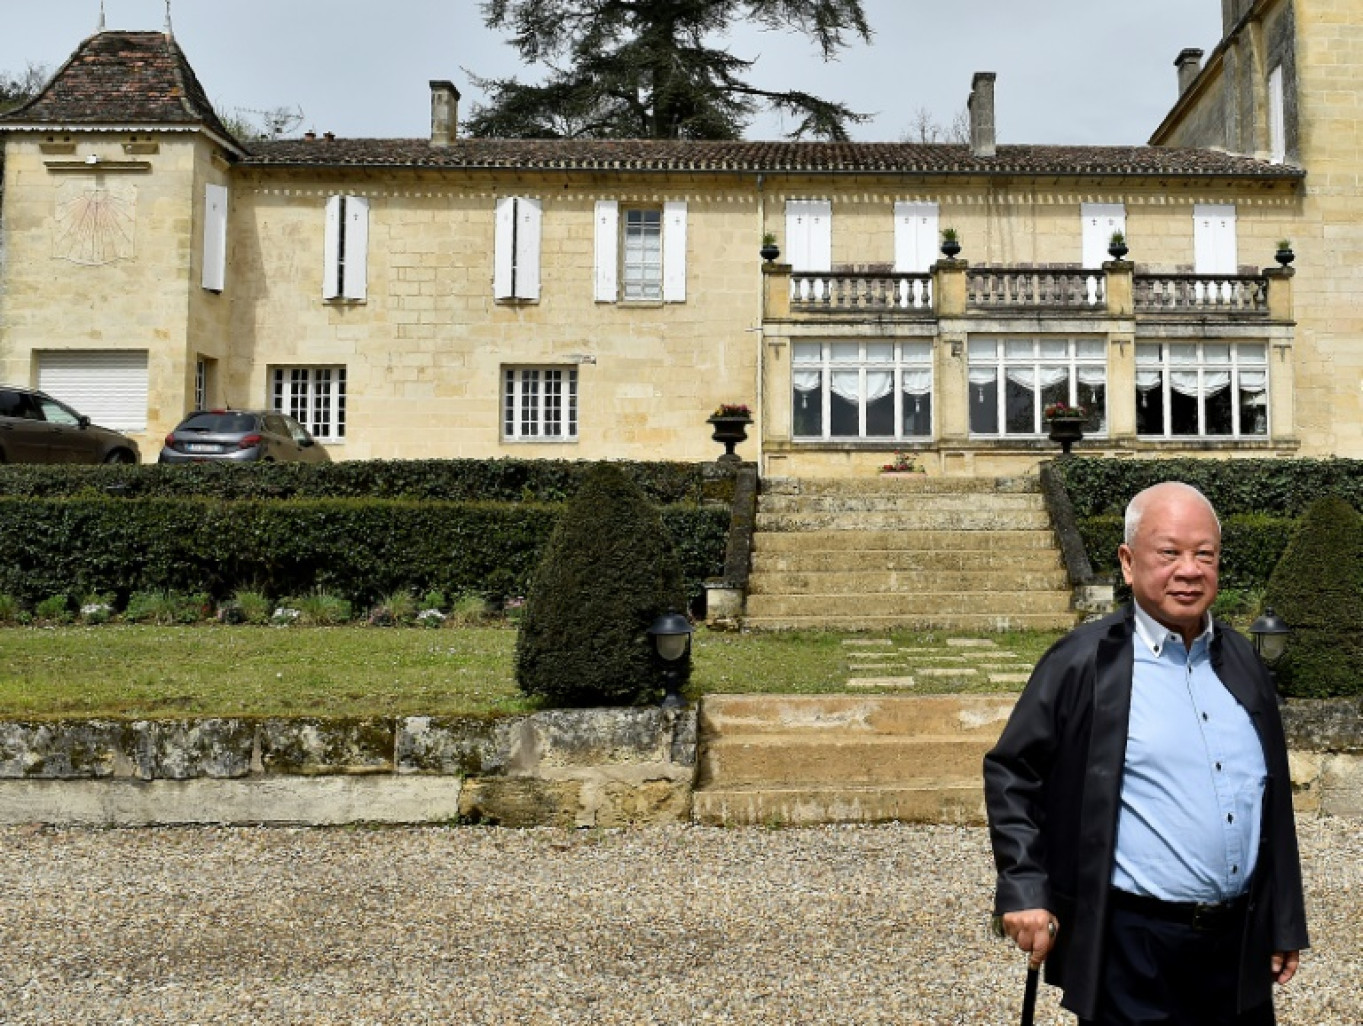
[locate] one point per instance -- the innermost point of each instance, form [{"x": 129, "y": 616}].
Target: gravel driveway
[{"x": 676, "y": 925}]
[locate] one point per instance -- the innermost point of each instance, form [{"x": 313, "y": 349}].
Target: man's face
[{"x": 1172, "y": 563}]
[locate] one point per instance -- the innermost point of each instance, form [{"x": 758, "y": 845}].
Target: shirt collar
[{"x": 1154, "y": 634}]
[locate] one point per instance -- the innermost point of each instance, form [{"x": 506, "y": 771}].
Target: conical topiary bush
[
  {"x": 1315, "y": 588},
  {"x": 608, "y": 570}
]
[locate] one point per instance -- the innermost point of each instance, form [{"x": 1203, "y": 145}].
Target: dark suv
[
  {"x": 242, "y": 436},
  {"x": 35, "y": 428}
]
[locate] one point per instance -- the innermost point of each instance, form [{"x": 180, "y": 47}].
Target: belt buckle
[{"x": 1208, "y": 917}]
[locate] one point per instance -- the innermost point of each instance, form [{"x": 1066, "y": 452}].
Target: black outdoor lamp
[
  {"x": 671, "y": 634},
  {"x": 1270, "y": 633}
]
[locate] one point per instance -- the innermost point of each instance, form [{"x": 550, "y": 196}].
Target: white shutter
[
  {"x": 331, "y": 249},
  {"x": 1100, "y": 220},
  {"x": 530, "y": 214},
  {"x": 107, "y": 385},
  {"x": 1214, "y": 246},
  {"x": 215, "y": 237},
  {"x": 1277, "y": 121},
  {"x": 356, "y": 284},
  {"x": 915, "y": 237},
  {"x": 504, "y": 256},
  {"x": 809, "y": 235},
  {"x": 674, "y": 251},
  {"x": 607, "y": 250}
]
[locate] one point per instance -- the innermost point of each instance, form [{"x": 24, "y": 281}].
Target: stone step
[
  {"x": 881, "y": 502},
  {"x": 911, "y": 603},
  {"x": 900, "y": 541},
  {"x": 1036, "y": 559},
  {"x": 962, "y": 716},
  {"x": 973, "y": 622},
  {"x": 958, "y": 802},
  {"x": 793, "y": 758},
  {"x": 907, "y": 520},
  {"x": 833, "y": 582},
  {"x": 917, "y": 483}
]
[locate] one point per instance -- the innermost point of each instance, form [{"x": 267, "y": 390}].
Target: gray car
[
  {"x": 35, "y": 428},
  {"x": 241, "y": 436}
]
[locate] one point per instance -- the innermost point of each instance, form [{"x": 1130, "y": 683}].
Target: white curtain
[
  {"x": 806, "y": 381},
  {"x": 1185, "y": 382},
  {"x": 1095, "y": 377},
  {"x": 879, "y": 384},
  {"x": 1147, "y": 381},
  {"x": 1255, "y": 384},
  {"x": 983, "y": 375},
  {"x": 916, "y": 382},
  {"x": 846, "y": 385},
  {"x": 1026, "y": 376}
]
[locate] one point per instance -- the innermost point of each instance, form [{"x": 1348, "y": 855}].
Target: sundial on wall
[{"x": 96, "y": 224}]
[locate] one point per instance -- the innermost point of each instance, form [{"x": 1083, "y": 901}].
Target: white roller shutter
[
  {"x": 809, "y": 235},
  {"x": 107, "y": 385},
  {"x": 674, "y": 251},
  {"x": 215, "y": 237},
  {"x": 607, "y": 250},
  {"x": 915, "y": 237},
  {"x": 1100, "y": 221}
]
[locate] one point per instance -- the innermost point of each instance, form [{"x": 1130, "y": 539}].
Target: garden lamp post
[
  {"x": 671, "y": 634},
  {"x": 1270, "y": 633}
]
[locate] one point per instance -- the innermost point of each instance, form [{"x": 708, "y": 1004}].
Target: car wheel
[{"x": 119, "y": 456}]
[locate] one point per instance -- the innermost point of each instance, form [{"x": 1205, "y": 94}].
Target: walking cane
[{"x": 1029, "y": 995}]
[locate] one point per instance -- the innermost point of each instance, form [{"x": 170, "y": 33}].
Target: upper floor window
[
  {"x": 313, "y": 396},
  {"x": 641, "y": 257},
  {"x": 862, "y": 390},
  {"x": 915, "y": 237},
  {"x": 345, "y": 271},
  {"x": 539, "y": 404},
  {"x": 215, "y": 238},
  {"x": 1012, "y": 381},
  {"x": 1277, "y": 116},
  {"x": 1099, "y": 221},
  {"x": 516, "y": 261},
  {"x": 1201, "y": 389},
  {"x": 1214, "y": 245},
  {"x": 809, "y": 235}
]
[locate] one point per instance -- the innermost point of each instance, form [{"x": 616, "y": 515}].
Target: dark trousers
[{"x": 1172, "y": 974}]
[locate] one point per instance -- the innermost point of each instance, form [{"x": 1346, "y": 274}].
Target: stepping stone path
[{"x": 954, "y": 664}]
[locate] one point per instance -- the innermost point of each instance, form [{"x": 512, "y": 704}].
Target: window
[
  {"x": 1277, "y": 117},
  {"x": 1012, "y": 381},
  {"x": 1201, "y": 389},
  {"x": 1214, "y": 249},
  {"x": 809, "y": 235},
  {"x": 516, "y": 262},
  {"x": 915, "y": 237},
  {"x": 313, "y": 396},
  {"x": 345, "y": 273},
  {"x": 642, "y": 257},
  {"x": 205, "y": 373},
  {"x": 540, "y": 404},
  {"x": 215, "y": 237},
  {"x": 862, "y": 390},
  {"x": 1099, "y": 221}
]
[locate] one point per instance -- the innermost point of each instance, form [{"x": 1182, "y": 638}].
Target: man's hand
[
  {"x": 1284, "y": 965},
  {"x": 1033, "y": 930}
]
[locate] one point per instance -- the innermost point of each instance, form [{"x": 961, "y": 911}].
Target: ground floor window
[
  {"x": 1012, "y": 381},
  {"x": 539, "y": 403},
  {"x": 313, "y": 396},
  {"x": 1201, "y": 389},
  {"x": 862, "y": 390}
]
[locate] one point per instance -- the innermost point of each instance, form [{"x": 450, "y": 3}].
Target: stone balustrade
[
  {"x": 1242, "y": 295},
  {"x": 999, "y": 288},
  {"x": 860, "y": 293}
]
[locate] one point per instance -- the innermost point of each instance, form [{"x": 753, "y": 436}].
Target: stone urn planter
[
  {"x": 729, "y": 430},
  {"x": 1066, "y": 431},
  {"x": 1284, "y": 255}
]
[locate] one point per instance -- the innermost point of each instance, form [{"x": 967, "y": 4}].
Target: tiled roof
[
  {"x": 872, "y": 158},
  {"x": 122, "y": 78}
]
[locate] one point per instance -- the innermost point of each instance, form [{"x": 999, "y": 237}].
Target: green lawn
[{"x": 121, "y": 670}]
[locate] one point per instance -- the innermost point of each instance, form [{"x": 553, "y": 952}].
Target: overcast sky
[{"x": 1069, "y": 71}]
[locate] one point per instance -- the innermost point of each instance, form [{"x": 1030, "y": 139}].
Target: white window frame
[
  {"x": 345, "y": 270},
  {"x": 1247, "y": 369},
  {"x": 540, "y": 404},
  {"x": 215, "y": 238},
  {"x": 315, "y": 396},
  {"x": 991, "y": 358},
  {"x": 1099, "y": 221},
  {"x": 814, "y": 366},
  {"x": 516, "y": 259},
  {"x": 641, "y": 255},
  {"x": 615, "y": 254}
]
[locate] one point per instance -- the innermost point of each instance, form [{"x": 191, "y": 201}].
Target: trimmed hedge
[
  {"x": 441, "y": 480},
  {"x": 1282, "y": 487},
  {"x": 358, "y": 548}
]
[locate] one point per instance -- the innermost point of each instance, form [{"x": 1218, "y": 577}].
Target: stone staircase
[
  {"x": 799, "y": 760},
  {"x": 914, "y": 552}
]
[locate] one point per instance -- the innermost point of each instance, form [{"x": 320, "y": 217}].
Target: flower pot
[
  {"x": 1118, "y": 250},
  {"x": 1066, "y": 431},
  {"x": 728, "y": 432},
  {"x": 1284, "y": 256},
  {"x": 950, "y": 248},
  {"x": 770, "y": 251}
]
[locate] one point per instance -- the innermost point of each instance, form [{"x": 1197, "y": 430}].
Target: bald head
[{"x": 1162, "y": 494}]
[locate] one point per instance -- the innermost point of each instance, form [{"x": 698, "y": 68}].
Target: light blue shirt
[{"x": 1193, "y": 785}]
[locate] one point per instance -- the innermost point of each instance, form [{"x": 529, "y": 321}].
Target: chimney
[
  {"x": 444, "y": 113},
  {"x": 981, "y": 106},
  {"x": 1189, "y": 64}
]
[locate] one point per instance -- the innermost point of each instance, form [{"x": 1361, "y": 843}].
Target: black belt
[{"x": 1208, "y": 918}]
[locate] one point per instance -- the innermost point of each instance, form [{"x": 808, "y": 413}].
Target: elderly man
[{"x": 1139, "y": 800}]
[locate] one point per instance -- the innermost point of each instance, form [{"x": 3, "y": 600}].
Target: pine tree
[{"x": 650, "y": 69}]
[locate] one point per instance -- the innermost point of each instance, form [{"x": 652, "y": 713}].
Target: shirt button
[
  {"x": 1205, "y": 716},
  {"x": 1230, "y": 818},
  {"x": 1218, "y": 767},
  {"x": 1234, "y": 869}
]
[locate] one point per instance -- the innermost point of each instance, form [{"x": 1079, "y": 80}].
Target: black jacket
[{"x": 1053, "y": 787}]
